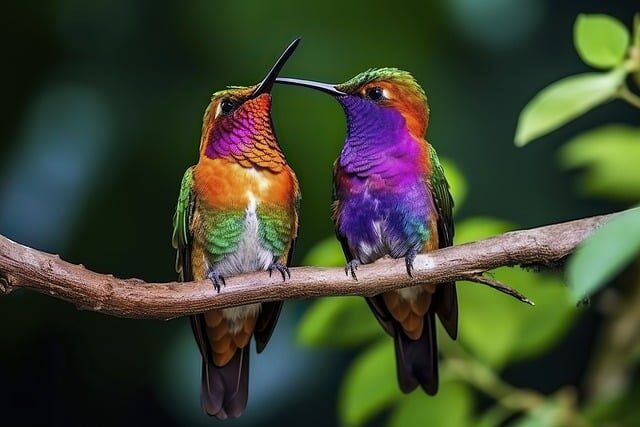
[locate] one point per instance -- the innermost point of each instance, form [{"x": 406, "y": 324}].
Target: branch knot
[{"x": 5, "y": 286}]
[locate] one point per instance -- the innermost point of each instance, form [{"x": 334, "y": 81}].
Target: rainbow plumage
[
  {"x": 237, "y": 212},
  {"x": 391, "y": 198}
]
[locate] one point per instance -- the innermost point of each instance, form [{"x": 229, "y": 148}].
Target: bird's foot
[
  {"x": 351, "y": 267},
  {"x": 283, "y": 269},
  {"x": 217, "y": 280},
  {"x": 408, "y": 261}
]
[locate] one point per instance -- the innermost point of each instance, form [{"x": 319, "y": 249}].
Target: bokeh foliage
[{"x": 102, "y": 115}]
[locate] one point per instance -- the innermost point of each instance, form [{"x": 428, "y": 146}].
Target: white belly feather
[
  {"x": 249, "y": 256},
  {"x": 381, "y": 247}
]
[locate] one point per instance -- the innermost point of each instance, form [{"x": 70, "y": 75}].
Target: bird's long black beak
[
  {"x": 267, "y": 83},
  {"x": 323, "y": 87}
]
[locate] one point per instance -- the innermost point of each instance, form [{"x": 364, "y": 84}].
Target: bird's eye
[
  {"x": 375, "y": 93},
  {"x": 227, "y": 106}
]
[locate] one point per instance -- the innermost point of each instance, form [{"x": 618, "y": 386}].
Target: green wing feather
[
  {"x": 270, "y": 311},
  {"x": 442, "y": 199},
  {"x": 181, "y": 239},
  {"x": 446, "y": 298}
]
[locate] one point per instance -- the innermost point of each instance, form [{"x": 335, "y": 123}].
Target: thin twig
[
  {"x": 493, "y": 283},
  {"x": 625, "y": 94}
]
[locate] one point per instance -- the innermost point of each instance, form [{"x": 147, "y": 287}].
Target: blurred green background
[{"x": 101, "y": 116}]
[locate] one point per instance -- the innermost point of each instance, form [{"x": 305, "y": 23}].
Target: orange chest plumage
[{"x": 224, "y": 184}]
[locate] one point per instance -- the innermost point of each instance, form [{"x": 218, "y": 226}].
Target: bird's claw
[
  {"x": 351, "y": 267},
  {"x": 408, "y": 260},
  {"x": 217, "y": 279},
  {"x": 283, "y": 269}
]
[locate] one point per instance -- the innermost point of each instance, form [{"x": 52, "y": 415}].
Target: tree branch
[{"x": 23, "y": 267}]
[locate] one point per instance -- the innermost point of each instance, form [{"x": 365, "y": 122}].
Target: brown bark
[{"x": 23, "y": 267}]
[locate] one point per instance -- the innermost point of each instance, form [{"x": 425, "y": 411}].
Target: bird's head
[
  {"x": 237, "y": 122},
  {"x": 374, "y": 93}
]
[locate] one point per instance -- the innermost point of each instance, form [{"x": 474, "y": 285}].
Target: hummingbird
[
  {"x": 237, "y": 212},
  {"x": 391, "y": 198}
]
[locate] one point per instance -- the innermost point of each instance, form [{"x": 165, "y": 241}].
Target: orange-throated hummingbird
[{"x": 237, "y": 212}]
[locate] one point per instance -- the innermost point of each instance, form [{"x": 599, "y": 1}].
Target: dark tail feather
[
  {"x": 225, "y": 389},
  {"x": 211, "y": 389},
  {"x": 417, "y": 360},
  {"x": 445, "y": 302}
]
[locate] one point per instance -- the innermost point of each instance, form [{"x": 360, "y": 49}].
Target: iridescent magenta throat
[{"x": 231, "y": 137}]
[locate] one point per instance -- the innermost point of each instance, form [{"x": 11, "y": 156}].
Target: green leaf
[
  {"x": 457, "y": 183},
  {"x": 494, "y": 416},
  {"x": 517, "y": 331},
  {"x": 370, "y": 385},
  {"x": 565, "y": 100},
  {"x": 451, "y": 407},
  {"x": 601, "y": 40},
  {"x": 610, "y": 156},
  {"x": 326, "y": 253},
  {"x": 604, "y": 254},
  {"x": 338, "y": 322},
  {"x": 551, "y": 414}
]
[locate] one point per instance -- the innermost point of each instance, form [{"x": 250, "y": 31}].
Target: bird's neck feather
[
  {"x": 379, "y": 141},
  {"x": 246, "y": 137}
]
